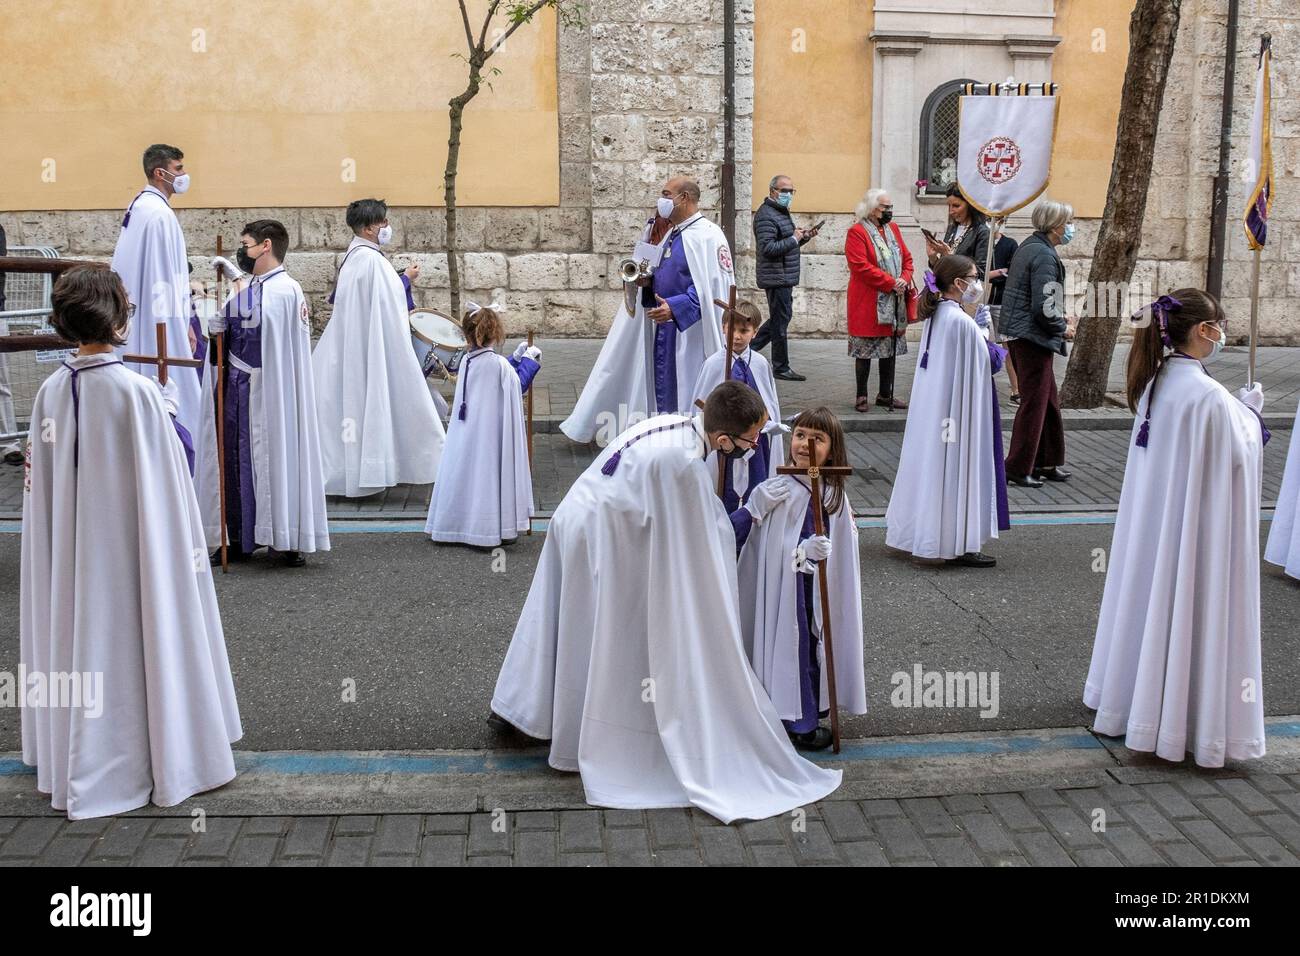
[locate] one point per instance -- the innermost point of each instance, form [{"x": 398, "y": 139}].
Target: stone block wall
[{"x": 640, "y": 99}]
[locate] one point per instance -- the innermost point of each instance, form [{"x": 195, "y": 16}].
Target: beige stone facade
[{"x": 640, "y": 99}]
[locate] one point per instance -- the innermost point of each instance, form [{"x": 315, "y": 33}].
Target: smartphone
[
  {"x": 929, "y": 235},
  {"x": 819, "y": 225}
]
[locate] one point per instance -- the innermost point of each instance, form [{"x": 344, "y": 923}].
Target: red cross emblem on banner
[{"x": 998, "y": 160}]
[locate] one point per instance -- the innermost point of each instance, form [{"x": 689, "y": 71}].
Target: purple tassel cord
[
  {"x": 925, "y": 359},
  {"x": 1144, "y": 432},
  {"x": 611, "y": 465}
]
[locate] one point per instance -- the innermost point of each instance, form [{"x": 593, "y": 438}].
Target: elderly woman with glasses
[
  {"x": 881, "y": 298},
  {"x": 1033, "y": 319}
]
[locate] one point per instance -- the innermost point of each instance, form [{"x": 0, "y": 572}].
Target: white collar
[
  {"x": 362, "y": 241},
  {"x": 95, "y": 358},
  {"x": 151, "y": 188}
]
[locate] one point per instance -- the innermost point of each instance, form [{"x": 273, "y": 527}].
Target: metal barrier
[{"x": 25, "y": 361}]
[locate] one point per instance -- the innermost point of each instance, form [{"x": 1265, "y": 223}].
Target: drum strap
[{"x": 335, "y": 287}]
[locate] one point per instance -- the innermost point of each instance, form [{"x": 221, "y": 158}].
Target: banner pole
[{"x": 1254, "y": 316}]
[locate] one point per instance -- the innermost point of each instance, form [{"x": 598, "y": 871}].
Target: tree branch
[
  {"x": 526, "y": 18},
  {"x": 469, "y": 33}
]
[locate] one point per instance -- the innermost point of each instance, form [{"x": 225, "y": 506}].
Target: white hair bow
[{"x": 475, "y": 308}]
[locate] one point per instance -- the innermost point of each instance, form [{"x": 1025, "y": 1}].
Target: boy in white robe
[
  {"x": 378, "y": 425},
  {"x": 115, "y": 585},
  {"x": 947, "y": 498},
  {"x": 275, "y": 489},
  {"x": 484, "y": 493},
  {"x": 781, "y": 614},
  {"x": 151, "y": 260},
  {"x": 1176, "y": 663},
  {"x": 628, "y": 654},
  {"x": 752, "y": 369}
]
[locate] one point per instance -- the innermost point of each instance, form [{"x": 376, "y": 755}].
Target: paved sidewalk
[{"x": 1152, "y": 814}]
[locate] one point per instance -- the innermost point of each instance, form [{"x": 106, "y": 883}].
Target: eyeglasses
[{"x": 748, "y": 442}]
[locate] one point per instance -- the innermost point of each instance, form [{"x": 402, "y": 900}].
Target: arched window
[{"x": 939, "y": 129}]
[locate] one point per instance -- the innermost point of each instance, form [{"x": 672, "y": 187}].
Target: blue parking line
[{"x": 329, "y": 764}]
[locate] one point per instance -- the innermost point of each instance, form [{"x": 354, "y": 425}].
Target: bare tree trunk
[
  {"x": 1153, "y": 28},
  {"x": 457, "y": 113}
]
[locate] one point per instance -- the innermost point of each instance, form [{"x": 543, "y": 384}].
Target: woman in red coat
[{"x": 880, "y": 279}]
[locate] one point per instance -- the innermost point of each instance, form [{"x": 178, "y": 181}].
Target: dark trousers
[
  {"x": 1038, "y": 436},
  {"x": 863, "y": 369},
  {"x": 780, "y": 307}
]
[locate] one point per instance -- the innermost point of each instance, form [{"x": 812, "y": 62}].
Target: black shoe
[
  {"x": 506, "y": 729},
  {"x": 818, "y": 739},
  {"x": 292, "y": 559},
  {"x": 975, "y": 559},
  {"x": 1052, "y": 474},
  {"x": 790, "y": 375},
  {"x": 234, "y": 555},
  {"x": 1024, "y": 481}
]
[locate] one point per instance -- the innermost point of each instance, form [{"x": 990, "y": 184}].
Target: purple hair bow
[
  {"x": 1160, "y": 310},
  {"x": 930, "y": 282}
]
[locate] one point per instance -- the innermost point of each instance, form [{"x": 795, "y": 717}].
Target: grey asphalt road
[{"x": 421, "y": 629}]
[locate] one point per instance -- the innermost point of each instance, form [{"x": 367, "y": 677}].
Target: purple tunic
[
  {"x": 243, "y": 343},
  {"x": 759, "y": 462},
  {"x": 810, "y": 672},
  {"x": 672, "y": 282}
]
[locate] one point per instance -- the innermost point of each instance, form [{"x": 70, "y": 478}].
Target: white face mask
[
  {"x": 974, "y": 289},
  {"x": 181, "y": 183},
  {"x": 664, "y": 207},
  {"x": 385, "y": 235}
]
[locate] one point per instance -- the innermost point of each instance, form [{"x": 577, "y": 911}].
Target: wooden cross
[
  {"x": 729, "y": 314},
  {"x": 162, "y": 359},
  {"x": 220, "y": 346},
  {"x": 529, "y": 402},
  {"x": 813, "y": 474}
]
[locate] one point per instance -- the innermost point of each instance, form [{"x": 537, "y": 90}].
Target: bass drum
[{"x": 439, "y": 342}]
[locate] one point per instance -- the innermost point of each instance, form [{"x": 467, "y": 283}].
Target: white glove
[
  {"x": 1252, "y": 398},
  {"x": 534, "y": 353},
  {"x": 817, "y": 548},
  {"x": 228, "y": 268},
  {"x": 766, "y": 497},
  {"x": 170, "y": 394},
  {"x": 520, "y": 349},
  {"x": 983, "y": 318},
  {"x": 801, "y": 564}
]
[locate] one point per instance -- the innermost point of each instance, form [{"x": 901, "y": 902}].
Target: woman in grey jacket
[{"x": 1033, "y": 317}]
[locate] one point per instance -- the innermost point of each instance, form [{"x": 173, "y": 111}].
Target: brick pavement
[{"x": 1181, "y": 817}]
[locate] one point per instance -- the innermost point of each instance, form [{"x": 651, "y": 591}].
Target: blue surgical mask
[
  {"x": 1217, "y": 346},
  {"x": 1068, "y": 234},
  {"x": 784, "y": 200}
]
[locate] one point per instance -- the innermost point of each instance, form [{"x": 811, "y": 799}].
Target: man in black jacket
[{"x": 776, "y": 244}]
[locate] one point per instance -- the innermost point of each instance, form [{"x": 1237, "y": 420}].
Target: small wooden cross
[
  {"x": 729, "y": 315},
  {"x": 162, "y": 359},
  {"x": 813, "y": 474}
]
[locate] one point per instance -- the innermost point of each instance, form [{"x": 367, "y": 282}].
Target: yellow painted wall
[
  {"x": 1089, "y": 66},
  {"x": 271, "y": 110},
  {"x": 812, "y": 109}
]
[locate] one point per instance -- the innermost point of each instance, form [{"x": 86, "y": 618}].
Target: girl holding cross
[{"x": 781, "y": 609}]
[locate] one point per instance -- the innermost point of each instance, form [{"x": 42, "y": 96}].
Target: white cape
[
  {"x": 628, "y": 655},
  {"x": 1176, "y": 663},
  {"x": 620, "y": 389},
  {"x": 484, "y": 493},
  {"x": 944, "y": 500},
  {"x": 1283, "y": 548},
  {"x": 768, "y": 604},
  {"x": 150, "y": 259},
  {"x": 378, "y": 427},
  {"x": 288, "y": 483},
  {"x": 710, "y": 377},
  {"x": 115, "y": 582}
]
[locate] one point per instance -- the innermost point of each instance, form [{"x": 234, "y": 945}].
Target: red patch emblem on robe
[{"x": 724, "y": 259}]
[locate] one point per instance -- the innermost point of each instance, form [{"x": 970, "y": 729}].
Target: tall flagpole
[
  {"x": 1254, "y": 315},
  {"x": 1255, "y": 219}
]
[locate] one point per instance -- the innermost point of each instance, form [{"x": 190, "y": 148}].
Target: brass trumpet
[{"x": 632, "y": 272}]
